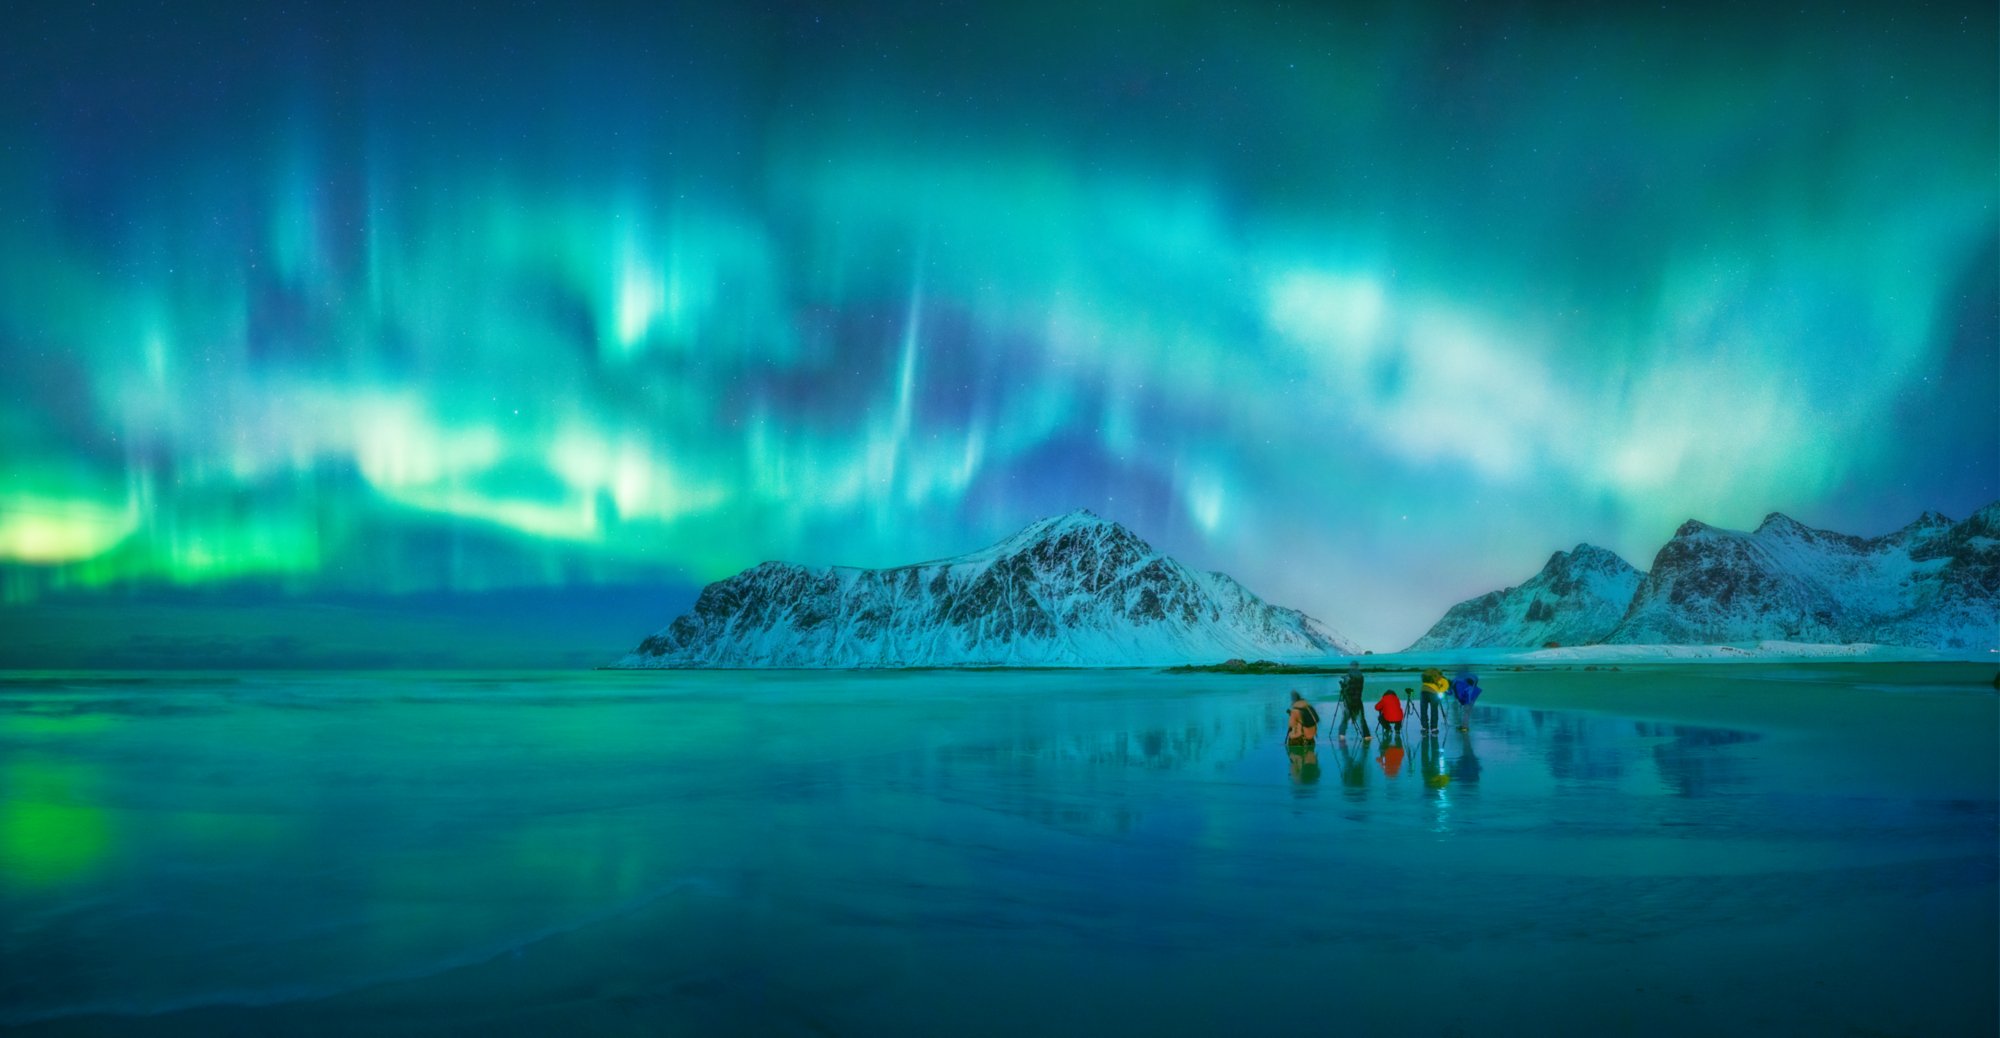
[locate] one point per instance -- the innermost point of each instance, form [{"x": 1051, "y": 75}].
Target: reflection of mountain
[
  {"x": 1573, "y": 754},
  {"x": 1155, "y": 747},
  {"x": 1690, "y": 760},
  {"x": 1034, "y": 776},
  {"x": 1690, "y": 764},
  {"x": 1072, "y": 590}
]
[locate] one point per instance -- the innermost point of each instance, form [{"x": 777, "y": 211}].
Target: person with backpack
[
  {"x": 1465, "y": 689},
  {"x": 1302, "y": 722},
  {"x": 1350, "y": 702},
  {"x": 1430, "y": 712}
]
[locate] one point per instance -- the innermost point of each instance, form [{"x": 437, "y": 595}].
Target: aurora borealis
[{"x": 1371, "y": 307}]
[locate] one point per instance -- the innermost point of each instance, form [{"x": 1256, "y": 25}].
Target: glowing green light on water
[{"x": 50, "y": 834}]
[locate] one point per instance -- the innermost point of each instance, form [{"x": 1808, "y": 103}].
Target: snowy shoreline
[
  {"x": 1761, "y": 651},
  {"x": 1751, "y": 652},
  {"x": 1740, "y": 652}
]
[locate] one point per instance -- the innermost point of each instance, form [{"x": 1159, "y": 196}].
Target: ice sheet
[{"x": 1798, "y": 847}]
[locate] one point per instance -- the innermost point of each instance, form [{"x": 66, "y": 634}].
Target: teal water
[{"x": 1655, "y": 851}]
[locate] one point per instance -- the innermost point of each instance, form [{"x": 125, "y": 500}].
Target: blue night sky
[{"x": 351, "y": 335}]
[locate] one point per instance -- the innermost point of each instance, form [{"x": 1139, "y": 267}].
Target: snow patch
[{"x": 1758, "y": 650}]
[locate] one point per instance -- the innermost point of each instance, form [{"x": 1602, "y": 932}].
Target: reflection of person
[
  {"x": 1301, "y": 722},
  {"x": 1391, "y": 759},
  {"x": 1350, "y": 703},
  {"x": 1305, "y": 763},
  {"x": 1466, "y": 767},
  {"x": 1465, "y": 689},
  {"x": 1431, "y": 762},
  {"x": 1430, "y": 714},
  {"x": 1389, "y": 715},
  {"x": 1353, "y": 769}
]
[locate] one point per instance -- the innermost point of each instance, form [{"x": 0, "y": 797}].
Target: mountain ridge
[
  {"x": 1578, "y": 596},
  {"x": 1932, "y": 583},
  {"x": 1073, "y": 589}
]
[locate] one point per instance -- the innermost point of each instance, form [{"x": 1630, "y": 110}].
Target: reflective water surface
[{"x": 1734, "y": 848}]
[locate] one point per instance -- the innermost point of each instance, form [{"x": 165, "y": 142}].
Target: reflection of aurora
[
  {"x": 55, "y": 828},
  {"x": 243, "y": 806},
  {"x": 409, "y": 343},
  {"x": 52, "y": 831}
]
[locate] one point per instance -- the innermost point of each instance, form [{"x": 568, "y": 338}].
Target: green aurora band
[{"x": 1371, "y": 309}]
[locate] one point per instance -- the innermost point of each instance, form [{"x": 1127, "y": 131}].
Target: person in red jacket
[{"x": 1389, "y": 714}]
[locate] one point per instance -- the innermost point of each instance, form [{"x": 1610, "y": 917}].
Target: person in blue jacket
[{"x": 1465, "y": 689}]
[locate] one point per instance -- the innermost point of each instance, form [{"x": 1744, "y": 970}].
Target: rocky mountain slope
[
  {"x": 1934, "y": 584},
  {"x": 1074, "y": 590},
  {"x": 1576, "y": 599}
]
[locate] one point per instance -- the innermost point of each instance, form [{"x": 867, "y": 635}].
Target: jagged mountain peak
[
  {"x": 1691, "y": 528},
  {"x": 1774, "y": 524},
  {"x": 1587, "y": 554},
  {"x": 1072, "y": 540},
  {"x": 1577, "y": 597},
  {"x": 1080, "y": 520},
  {"x": 1780, "y": 522},
  {"x": 1924, "y": 528},
  {"x": 1075, "y": 518}
]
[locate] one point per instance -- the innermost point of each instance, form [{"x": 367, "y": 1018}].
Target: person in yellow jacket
[{"x": 1430, "y": 713}]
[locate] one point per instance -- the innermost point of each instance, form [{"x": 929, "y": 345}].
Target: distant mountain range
[
  {"x": 1932, "y": 584},
  {"x": 1073, "y": 590}
]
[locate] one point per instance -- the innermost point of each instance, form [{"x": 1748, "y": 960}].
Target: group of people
[{"x": 1439, "y": 693}]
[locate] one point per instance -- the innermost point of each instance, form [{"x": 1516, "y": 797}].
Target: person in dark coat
[{"x": 1350, "y": 704}]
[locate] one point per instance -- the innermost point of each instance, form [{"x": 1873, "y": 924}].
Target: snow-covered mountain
[
  {"x": 1073, "y": 590},
  {"x": 1577, "y": 598},
  {"x": 1934, "y": 583}
]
